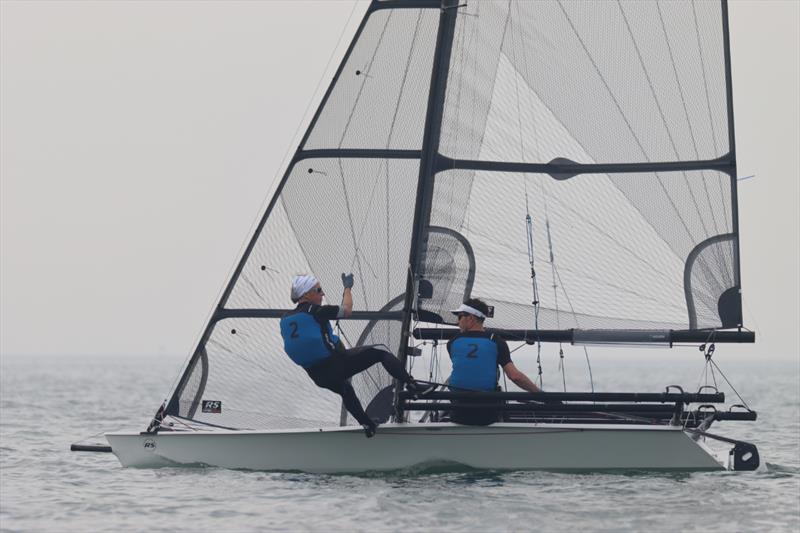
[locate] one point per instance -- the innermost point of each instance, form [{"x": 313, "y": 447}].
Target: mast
[
  {"x": 732, "y": 172},
  {"x": 427, "y": 167}
]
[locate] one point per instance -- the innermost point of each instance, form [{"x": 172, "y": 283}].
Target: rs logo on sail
[{"x": 212, "y": 406}]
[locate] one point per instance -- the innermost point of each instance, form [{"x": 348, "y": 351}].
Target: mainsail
[{"x": 446, "y": 127}]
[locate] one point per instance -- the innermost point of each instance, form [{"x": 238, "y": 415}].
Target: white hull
[{"x": 398, "y": 446}]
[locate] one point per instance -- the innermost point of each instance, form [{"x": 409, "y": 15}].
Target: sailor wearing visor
[
  {"x": 476, "y": 355},
  {"x": 309, "y": 341}
]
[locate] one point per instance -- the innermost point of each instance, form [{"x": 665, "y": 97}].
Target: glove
[{"x": 347, "y": 280}]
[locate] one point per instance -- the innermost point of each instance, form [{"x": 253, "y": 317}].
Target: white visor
[{"x": 464, "y": 308}]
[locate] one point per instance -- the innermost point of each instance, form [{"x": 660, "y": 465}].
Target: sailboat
[{"x": 571, "y": 163}]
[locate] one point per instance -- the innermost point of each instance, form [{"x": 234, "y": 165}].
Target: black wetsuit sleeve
[
  {"x": 325, "y": 312},
  {"x": 503, "y": 353}
]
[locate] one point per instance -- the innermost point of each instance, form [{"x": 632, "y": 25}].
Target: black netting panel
[
  {"x": 448, "y": 264},
  {"x": 707, "y": 283},
  {"x": 380, "y": 97},
  {"x": 620, "y": 245},
  {"x": 334, "y": 216},
  {"x": 605, "y": 82}
]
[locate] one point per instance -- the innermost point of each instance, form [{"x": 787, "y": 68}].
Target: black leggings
[{"x": 332, "y": 374}]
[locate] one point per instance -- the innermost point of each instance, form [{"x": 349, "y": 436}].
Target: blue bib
[
  {"x": 305, "y": 340},
  {"x": 474, "y": 363}
]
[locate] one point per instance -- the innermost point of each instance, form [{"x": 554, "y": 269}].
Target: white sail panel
[
  {"x": 619, "y": 82},
  {"x": 244, "y": 368},
  {"x": 622, "y": 245},
  {"x": 378, "y": 100},
  {"x": 334, "y": 216}
]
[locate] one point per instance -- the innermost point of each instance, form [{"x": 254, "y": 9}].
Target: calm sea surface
[{"x": 49, "y": 402}]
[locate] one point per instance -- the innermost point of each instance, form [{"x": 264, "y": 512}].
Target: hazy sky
[{"x": 141, "y": 140}]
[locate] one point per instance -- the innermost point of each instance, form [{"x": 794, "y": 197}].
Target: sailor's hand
[{"x": 347, "y": 280}]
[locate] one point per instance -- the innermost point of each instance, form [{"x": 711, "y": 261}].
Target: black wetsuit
[{"x": 338, "y": 365}]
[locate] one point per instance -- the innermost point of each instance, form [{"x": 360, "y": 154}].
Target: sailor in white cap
[
  {"x": 309, "y": 341},
  {"x": 476, "y": 355}
]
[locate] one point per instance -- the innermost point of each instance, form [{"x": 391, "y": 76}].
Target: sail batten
[
  {"x": 722, "y": 164},
  {"x": 353, "y": 153},
  {"x": 602, "y": 336},
  {"x": 277, "y": 313}
]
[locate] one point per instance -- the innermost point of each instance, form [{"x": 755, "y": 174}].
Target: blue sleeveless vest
[
  {"x": 305, "y": 340},
  {"x": 474, "y": 363}
]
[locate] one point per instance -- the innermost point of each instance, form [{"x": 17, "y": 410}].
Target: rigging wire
[
  {"x": 433, "y": 366},
  {"x": 708, "y": 349},
  {"x": 535, "y": 290},
  {"x": 531, "y": 255},
  {"x": 575, "y": 316},
  {"x": 730, "y": 384},
  {"x": 561, "y": 365},
  {"x": 528, "y": 219}
]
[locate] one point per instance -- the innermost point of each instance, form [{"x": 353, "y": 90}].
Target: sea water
[{"x": 48, "y": 402}]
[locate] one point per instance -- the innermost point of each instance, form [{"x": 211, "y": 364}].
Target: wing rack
[{"x": 600, "y": 408}]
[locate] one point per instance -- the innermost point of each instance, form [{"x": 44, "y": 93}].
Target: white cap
[
  {"x": 301, "y": 285},
  {"x": 464, "y": 308}
]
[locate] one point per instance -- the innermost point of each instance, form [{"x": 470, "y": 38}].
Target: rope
[
  {"x": 185, "y": 424},
  {"x": 535, "y": 290},
  {"x": 449, "y": 386},
  {"x": 589, "y": 364},
  {"x": 561, "y": 365},
  {"x": 577, "y": 322},
  {"x": 528, "y": 219},
  {"x": 731, "y": 386},
  {"x": 708, "y": 349}
]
